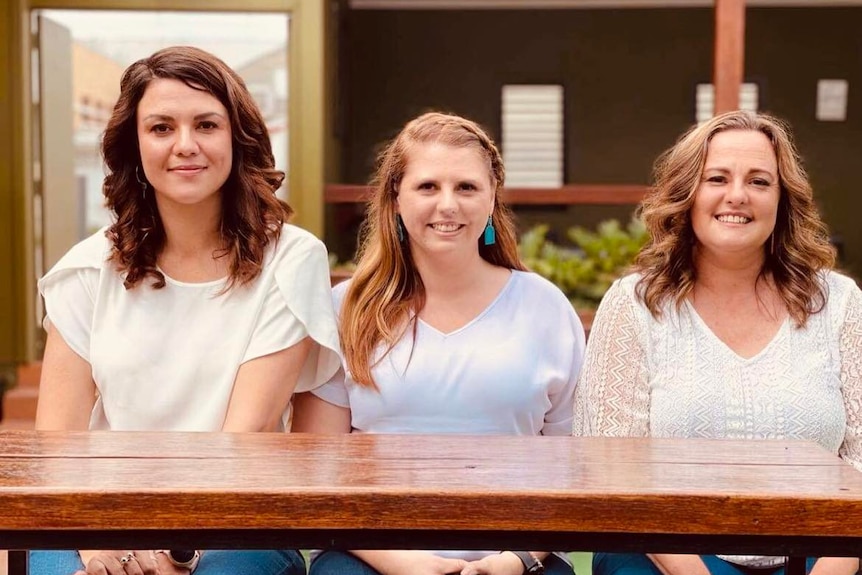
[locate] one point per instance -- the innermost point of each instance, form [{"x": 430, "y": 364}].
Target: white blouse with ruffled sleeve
[{"x": 166, "y": 359}]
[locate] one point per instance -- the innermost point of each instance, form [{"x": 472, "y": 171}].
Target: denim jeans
[
  {"x": 344, "y": 563},
  {"x": 213, "y": 562},
  {"x": 637, "y": 564}
]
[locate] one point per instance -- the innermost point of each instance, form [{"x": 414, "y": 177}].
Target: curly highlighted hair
[
  {"x": 795, "y": 253},
  {"x": 386, "y": 287},
  {"x": 252, "y": 216}
]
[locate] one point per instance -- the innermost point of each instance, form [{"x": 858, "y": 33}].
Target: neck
[
  {"x": 191, "y": 230},
  {"x": 732, "y": 273},
  {"x": 452, "y": 275}
]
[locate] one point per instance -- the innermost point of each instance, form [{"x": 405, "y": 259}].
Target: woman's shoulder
[
  {"x": 841, "y": 291},
  {"x": 293, "y": 238},
  {"x": 537, "y": 285},
  {"x": 838, "y": 282},
  {"x": 625, "y": 287},
  {"x": 92, "y": 252}
]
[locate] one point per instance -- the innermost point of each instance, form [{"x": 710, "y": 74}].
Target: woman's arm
[
  {"x": 67, "y": 392},
  {"x": 312, "y": 414},
  {"x": 612, "y": 397},
  {"x": 263, "y": 389},
  {"x": 410, "y": 562},
  {"x": 850, "y": 349}
]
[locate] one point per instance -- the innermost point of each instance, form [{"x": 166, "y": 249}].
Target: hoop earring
[
  {"x": 490, "y": 233},
  {"x": 143, "y": 183},
  {"x": 399, "y": 227}
]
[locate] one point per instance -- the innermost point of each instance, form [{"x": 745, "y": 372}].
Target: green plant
[{"x": 585, "y": 270}]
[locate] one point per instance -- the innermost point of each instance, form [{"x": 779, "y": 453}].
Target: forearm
[{"x": 836, "y": 566}]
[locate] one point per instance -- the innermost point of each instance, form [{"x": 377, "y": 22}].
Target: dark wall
[
  {"x": 787, "y": 51},
  {"x": 628, "y": 75},
  {"x": 629, "y": 79}
]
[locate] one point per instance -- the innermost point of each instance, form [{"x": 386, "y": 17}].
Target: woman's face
[
  {"x": 445, "y": 198},
  {"x": 736, "y": 203},
  {"x": 185, "y": 141}
]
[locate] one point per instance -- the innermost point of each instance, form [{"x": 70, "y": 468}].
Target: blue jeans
[
  {"x": 344, "y": 563},
  {"x": 256, "y": 562},
  {"x": 637, "y": 564}
]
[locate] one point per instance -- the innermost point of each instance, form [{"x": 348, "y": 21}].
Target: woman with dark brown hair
[
  {"x": 443, "y": 330},
  {"x": 199, "y": 308},
  {"x": 735, "y": 324}
]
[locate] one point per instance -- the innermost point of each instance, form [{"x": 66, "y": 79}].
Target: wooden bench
[{"x": 212, "y": 490}]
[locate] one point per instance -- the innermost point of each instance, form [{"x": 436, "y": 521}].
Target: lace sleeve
[
  {"x": 612, "y": 396},
  {"x": 851, "y": 379}
]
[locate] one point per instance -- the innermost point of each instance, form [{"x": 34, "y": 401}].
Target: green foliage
[{"x": 585, "y": 271}]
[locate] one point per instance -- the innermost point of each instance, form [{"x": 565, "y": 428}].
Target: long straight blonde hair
[{"x": 386, "y": 290}]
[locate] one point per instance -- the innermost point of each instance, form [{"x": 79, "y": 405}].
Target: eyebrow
[
  {"x": 203, "y": 116},
  {"x": 726, "y": 170}
]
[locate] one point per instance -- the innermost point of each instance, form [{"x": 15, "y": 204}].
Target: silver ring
[{"x": 127, "y": 557}]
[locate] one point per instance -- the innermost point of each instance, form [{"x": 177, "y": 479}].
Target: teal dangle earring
[{"x": 490, "y": 233}]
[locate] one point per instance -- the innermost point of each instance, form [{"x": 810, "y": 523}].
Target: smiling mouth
[
  {"x": 727, "y": 219},
  {"x": 446, "y": 227}
]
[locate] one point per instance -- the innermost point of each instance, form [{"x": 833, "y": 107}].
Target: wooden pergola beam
[{"x": 729, "y": 53}]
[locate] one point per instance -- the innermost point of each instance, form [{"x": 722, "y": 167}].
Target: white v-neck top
[
  {"x": 511, "y": 370},
  {"x": 166, "y": 359},
  {"x": 675, "y": 378}
]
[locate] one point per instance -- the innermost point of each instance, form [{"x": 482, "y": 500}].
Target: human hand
[
  {"x": 121, "y": 563},
  {"x": 430, "y": 564},
  {"x": 410, "y": 562},
  {"x": 504, "y": 563}
]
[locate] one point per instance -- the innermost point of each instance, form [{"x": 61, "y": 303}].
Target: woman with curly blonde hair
[
  {"x": 734, "y": 324},
  {"x": 199, "y": 308},
  {"x": 442, "y": 330}
]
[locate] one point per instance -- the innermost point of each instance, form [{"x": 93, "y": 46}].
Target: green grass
[{"x": 583, "y": 562}]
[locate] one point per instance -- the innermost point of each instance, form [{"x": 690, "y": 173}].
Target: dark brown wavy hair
[
  {"x": 796, "y": 251},
  {"x": 251, "y": 216},
  {"x": 386, "y": 287}
]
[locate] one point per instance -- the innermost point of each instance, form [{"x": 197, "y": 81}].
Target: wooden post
[{"x": 729, "y": 53}]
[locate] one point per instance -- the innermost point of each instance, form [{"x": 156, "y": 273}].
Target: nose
[
  {"x": 737, "y": 192},
  {"x": 186, "y": 144},
  {"x": 447, "y": 201}
]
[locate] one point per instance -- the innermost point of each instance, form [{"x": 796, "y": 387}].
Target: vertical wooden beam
[
  {"x": 307, "y": 107},
  {"x": 729, "y": 53},
  {"x": 17, "y": 283}
]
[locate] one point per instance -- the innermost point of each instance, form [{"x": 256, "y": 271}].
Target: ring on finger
[{"x": 127, "y": 557}]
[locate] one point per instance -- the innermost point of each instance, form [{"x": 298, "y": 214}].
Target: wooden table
[{"x": 211, "y": 490}]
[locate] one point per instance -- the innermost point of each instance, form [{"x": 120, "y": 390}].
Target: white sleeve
[
  {"x": 851, "y": 379},
  {"x": 334, "y": 391},
  {"x": 303, "y": 280},
  {"x": 613, "y": 396},
  {"x": 276, "y": 328},
  {"x": 70, "y": 296},
  {"x": 558, "y": 419}
]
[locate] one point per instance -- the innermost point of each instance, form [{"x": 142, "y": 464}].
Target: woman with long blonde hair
[{"x": 442, "y": 329}]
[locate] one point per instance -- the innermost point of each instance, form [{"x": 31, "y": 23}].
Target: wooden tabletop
[{"x": 443, "y": 488}]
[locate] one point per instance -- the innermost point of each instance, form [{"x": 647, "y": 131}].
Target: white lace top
[{"x": 675, "y": 378}]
